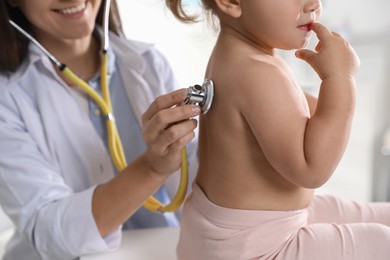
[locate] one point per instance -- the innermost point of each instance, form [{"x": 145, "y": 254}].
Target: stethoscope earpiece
[{"x": 201, "y": 95}]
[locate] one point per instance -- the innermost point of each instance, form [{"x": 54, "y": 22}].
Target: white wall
[
  {"x": 186, "y": 46},
  {"x": 364, "y": 23}
]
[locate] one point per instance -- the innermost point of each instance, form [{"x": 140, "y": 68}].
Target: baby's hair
[{"x": 178, "y": 9}]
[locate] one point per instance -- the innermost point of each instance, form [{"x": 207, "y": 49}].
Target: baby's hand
[{"x": 333, "y": 56}]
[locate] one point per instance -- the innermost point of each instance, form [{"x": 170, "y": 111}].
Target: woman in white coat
[{"x": 57, "y": 180}]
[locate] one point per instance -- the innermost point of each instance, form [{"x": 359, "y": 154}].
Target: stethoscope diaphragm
[{"x": 201, "y": 95}]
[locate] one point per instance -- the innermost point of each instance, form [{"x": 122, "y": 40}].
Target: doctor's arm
[{"x": 53, "y": 218}]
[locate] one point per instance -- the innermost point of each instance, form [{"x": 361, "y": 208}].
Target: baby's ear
[{"x": 230, "y": 7}]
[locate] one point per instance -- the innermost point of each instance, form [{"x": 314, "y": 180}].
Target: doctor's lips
[
  {"x": 72, "y": 10},
  {"x": 306, "y": 27}
]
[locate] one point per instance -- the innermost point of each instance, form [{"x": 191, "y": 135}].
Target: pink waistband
[{"x": 238, "y": 217}]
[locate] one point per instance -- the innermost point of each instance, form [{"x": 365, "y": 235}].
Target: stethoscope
[{"x": 201, "y": 95}]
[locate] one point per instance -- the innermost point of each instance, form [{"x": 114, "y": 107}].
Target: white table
[{"x": 143, "y": 244}]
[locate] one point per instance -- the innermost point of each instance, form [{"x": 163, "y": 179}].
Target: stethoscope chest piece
[{"x": 201, "y": 95}]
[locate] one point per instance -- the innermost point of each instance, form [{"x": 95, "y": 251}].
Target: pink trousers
[{"x": 330, "y": 229}]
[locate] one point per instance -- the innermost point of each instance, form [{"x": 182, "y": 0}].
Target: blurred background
[{"x": 364, "y": 171}]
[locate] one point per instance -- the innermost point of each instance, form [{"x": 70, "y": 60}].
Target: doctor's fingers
[
  {"x": 165, "y": 118},
  {"x": 174, "y": 138},
  {"x": 164, "y": 102}
]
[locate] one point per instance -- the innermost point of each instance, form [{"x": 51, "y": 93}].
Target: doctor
[{"x": 57, "y": 180}]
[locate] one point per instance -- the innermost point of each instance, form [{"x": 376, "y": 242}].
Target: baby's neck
[{"x": 230, "y": 36}]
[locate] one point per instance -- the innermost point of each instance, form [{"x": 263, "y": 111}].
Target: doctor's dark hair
[{"x": 14, "y": 46}]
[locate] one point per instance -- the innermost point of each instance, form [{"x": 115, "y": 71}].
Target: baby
[{"x": 265, "y": 145}]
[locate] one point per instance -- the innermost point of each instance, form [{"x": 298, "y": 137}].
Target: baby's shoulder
[
  {"x": 259, "y": 71},
  {"x": 249, "y": 73},
  {"x": 264, "y": 65}
]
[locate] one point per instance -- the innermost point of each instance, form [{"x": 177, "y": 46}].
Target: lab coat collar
[
  {"x": 132, "y": 50},
  {"x": 34, "y": 55},
  {"x": 131, "y": 64}
]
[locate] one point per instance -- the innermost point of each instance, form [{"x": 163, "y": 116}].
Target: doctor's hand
[
  {"x": 167, "y": 128},
  {"x": 333, "y": 56}
]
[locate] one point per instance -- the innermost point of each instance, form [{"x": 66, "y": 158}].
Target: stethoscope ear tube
[
  {"x": 106, "y": 17},
  {"x": 36, "y": 43}
]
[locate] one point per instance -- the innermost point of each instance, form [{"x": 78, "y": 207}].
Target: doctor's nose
[{"x": 312, "y": 6}]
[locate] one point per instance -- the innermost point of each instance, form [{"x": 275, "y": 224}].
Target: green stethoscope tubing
[{"x": 104, "y": 103}]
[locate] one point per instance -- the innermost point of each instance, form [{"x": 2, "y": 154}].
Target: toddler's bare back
[{"x": 234, "y": 171}]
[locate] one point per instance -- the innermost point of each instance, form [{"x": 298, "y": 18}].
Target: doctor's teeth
[{"x": 73, "y": 10}]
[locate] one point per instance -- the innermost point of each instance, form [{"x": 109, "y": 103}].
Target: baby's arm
[
  {"x": 336, "y": 63},
  {"x": 304, "y": 149}
]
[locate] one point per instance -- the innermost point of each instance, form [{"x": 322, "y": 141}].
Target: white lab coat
[{"x": 51, "y": 158}]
